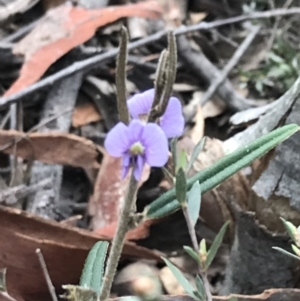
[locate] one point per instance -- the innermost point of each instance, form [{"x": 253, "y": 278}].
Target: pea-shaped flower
[
  {"x": 138, "y": 143},
  {"x": 171, "y": 122}
]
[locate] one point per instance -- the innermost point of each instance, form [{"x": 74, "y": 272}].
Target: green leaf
[
  {"x": 180, "y": 278},
  {"x": 290, "y": 228},
  {"x": 3, "y": 280},
  {"x": 200, "y": 287},
  {"x": 192, "y": 253},
  {"x": 286, "y": 253},
  {"x": 92, "y": 273},
  {"x": 198, "y": 297},
  {"x": 182, "y": 160},
  {"x": 215, "y": 245},
  {"x": 275, "y": 58},
  {"x": 296, "y": 250},
  {"x": 194, "y": 202},
  {"x": 180, "y": 186},
  {"x": 198, "y": 148},
  {"x": 174, "y": 153},
  {"x": 222, "y": 169}
]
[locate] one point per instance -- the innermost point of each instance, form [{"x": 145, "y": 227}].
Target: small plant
[
  {"x": 147, "y": 120},
  {"x": 294, "y": 234},
  {"x": 277, "y": 73}
]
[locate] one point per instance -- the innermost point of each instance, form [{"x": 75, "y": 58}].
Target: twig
[
  {"x": 119, "y": 238},
  {"x": 12, "y": 194},
  {"x": 194, "y": 240},
  {"x": 14, "y": 7},
  {"x": 35, "y": 128},
  {"x": 93, "y": 62},
  {"x": 275, "y": 27},
  {"x": 19, "y": 33},
  {"x": 206, "y": 72},
  {"x": 46, "y": 274},
  {"x": 230, "y": 65},
  {"x": 4, "y": 120}
]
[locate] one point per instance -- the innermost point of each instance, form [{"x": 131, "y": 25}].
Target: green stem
[
  {"x": 119, "y": 238},
  {"x": 194, "y": 240}
]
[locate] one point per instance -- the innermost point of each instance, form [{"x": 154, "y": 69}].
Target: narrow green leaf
[
  {"x": 286, "y": 253},
  {"x": 198, "y": 297},
  {"x": 192, "y": 253},
  {"x": 92, "y": 273},
  {"x": 182, "y": 160},
  {"x": 216, "y": 245},
  {"x": 174, "y": 153},
  {"x": 202, "y": 247},
  {"x": 3, "y": 280},
  {"x": 196, "y": 151},
  {"x": 223, "y": 169},
  {"x": 200, "y": 287},
  {"x": 194, "y": 202},
  {"x": 180, "y": 186},
  {"x": 296, "y": 250},
  {"x": 290, "y": 228},
  {"x": 180, "y": 277},
  {"x": 168, "y": 175}
]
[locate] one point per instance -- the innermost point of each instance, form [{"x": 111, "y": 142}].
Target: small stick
[
  {"x": 46, "y": 274},
  {"x": 230, "y": 65}
]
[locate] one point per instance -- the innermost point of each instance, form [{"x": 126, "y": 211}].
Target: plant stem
[
  {"x": 194, "y": 240},
  {"x": 119, "y": 238}
]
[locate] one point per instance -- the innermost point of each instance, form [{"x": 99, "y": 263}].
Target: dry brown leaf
[
  {"x": 109, "y": 192},
  {"x": 64, "y": 28},
  {"x": 51, "y": 148},
  {"x": 140, "y": 232},
  {"x": 85, "y": 114},
  {"x": 64, "y": 248}
]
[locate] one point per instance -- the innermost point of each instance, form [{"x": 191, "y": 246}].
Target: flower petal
[
  {"x": 125, "y": 165},
  {"x": 140, "y": 161},
  {"x": 156, "y": 145},
  {"x": 140, "y": 103},
  {"x": 172, "y": 122},
  {"x": 117, "y": 140},
  {"x": 135, "y": 130}
]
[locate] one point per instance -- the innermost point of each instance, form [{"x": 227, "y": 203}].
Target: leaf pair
[
  {"x": 293, "y": 232},
  {"x": 212, "y": 251},
  {"x": 222, "y": 169},
  {"x": 196, "y": 294}
]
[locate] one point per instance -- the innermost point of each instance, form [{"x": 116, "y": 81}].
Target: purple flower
[
  {"x": 172, "y": 121},
  {"x": 138, "y": 143}
]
